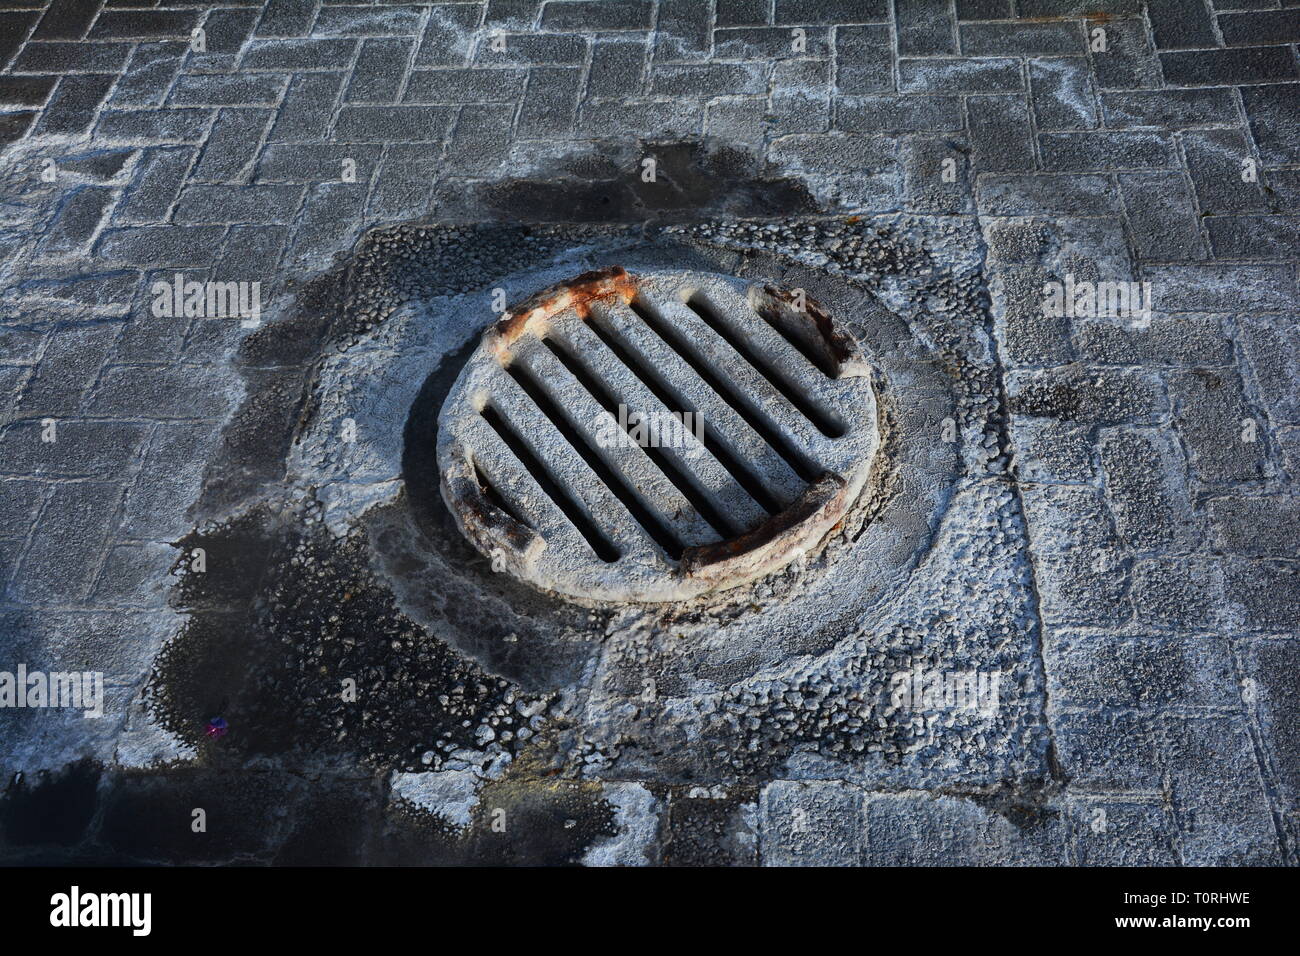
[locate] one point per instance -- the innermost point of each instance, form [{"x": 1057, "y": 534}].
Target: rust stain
[
  {"x": 840, "y": 345},
  {"x": 579, "y": 293},
  {"x": 775, "y": 539}
]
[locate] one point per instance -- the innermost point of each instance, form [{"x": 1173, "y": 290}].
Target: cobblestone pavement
[{"x": 1112, "y": 140}]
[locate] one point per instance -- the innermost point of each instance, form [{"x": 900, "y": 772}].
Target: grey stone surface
[{"x": 1123, "y": 491}]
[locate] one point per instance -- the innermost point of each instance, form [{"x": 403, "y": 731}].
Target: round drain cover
[{"x": 653, "y": 437}]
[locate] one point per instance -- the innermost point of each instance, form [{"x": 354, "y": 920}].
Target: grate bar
[
  {"x": 698, "y": 466},
  {"x": 562, "y": 462}
]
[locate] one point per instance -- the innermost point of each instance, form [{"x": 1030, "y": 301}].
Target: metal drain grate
[{"x": 654, "y": 437}]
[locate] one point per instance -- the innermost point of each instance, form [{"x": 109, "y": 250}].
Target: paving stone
[
  {"x": 1063, "y": 519},
  {"x": 316, "y": 162},
  {"x": 511, "y": 14},
  {"x": 1184, "y": 340},
  {"x": 109, "y": 290},
  {"x": 477, "y": 85},
  {"x": 617, "y": 68},
  {"x": 1266, "y": 592},
  {"x": 925, "y": 187},
  {"x": 1266, "y": 526},
  {"x": 916, "y": 829},
  {"x": 1271, "y": 664},
  {"x": 1029, "y": 336},
  {"x": 14, "y": 126},
  {"x": 449, "y": 35},
  {"x": 333, "y": 54},
  {"x": 1183, "y": 593},
  {"x": 923, "y": 29},
  {"x": 20, "y": 503},
  {"x": 736, "y": 13},
  {"x": 77, "y": 220},
  {"x": 1221, "y": 432},
  {"x": 367, "y": 21},
  {"x": 814, "y": 823},
  {"x": 590, "y": 15},
  {"x": 200, "y": 204},
  {"x": 1174, "y": 109},
  {"x": 163, "y": 391},
  {"x": 167, "y": 246},
  {"x": 98, "y": 450},
  {"x": 155, "y": 186},
  {"x": 1221, "y": 288},
  {"x": 134, "y": 575},
  {"x": 1271, "y": 345},
  {"x": 1000, "y": 133},
  {"x": 153, "y": 126},
  {"x": 1063, "y": 94},
  {"x": 225, "y": 31},
  {"x": 1215, "y": 161},
  {"x": 1259, "y": 29},
  {"x": 380, "y": 69},
  {"x": 772, "y": 43},
  {"x": 252, "y": 253},
  {"x": 832, "y": 153},
  {"x": 550, "y": 104},
  {"x": 67, "y": 369},
  {"x": 742, "y": 121},
  {"x": 864, "y": 62},
  {"x": 1103, "y": 395},
  {"x": 1134, "y": 149},
  {"x": 228, "y": 89},
  {"x": 144, "y": 24},
  {"x": 1273, "y": 122},
  {"x": 972, "y": 75},
  {"x": 72, "y": 107},
  {"x": 1233, "y": 67},
  {"x": 60, "y": 56},
  {"x": 14, "y": 25},
  {"x": 149, "y": 74},
  {"x": 830, "y": 11},
  {"x": 983, "y": 9},
  {"x": 892, "y": 113},
  {"x": 307, "y": 108},
  {"x": 235, "y": 139},
  {"x": 60, "y": 563},
  {"x": 1100, "y": 671},
  {"x": 1253, "y": 237},
  {"x": 318, "y": 232},
  {"x": 539, "y": 49},
  {"x": 26, "y": 90},
  {"x": 800, "y": 98},
  {"x": 100, "y": 164},
  {"x": 1162, "y": 216},
  {"x": 66, "y": 20},
  {"x": 1021, "y": 39},
  {"x": 646, "y": 118},
  {"x": 707, "y": 80},
  {"x": 286, "y": 18},
  {"x": 1107, "y": 751},
  {"x": 1177, "y": 25},
  {"x": 1052, "y": 451},
  {"x": 169, "y": 482},
  {"x": 1128, "y": 62},
  {"x": 1151, "y": 507},
  {"x": 1114, "y": 833},
  {"x": 379, "y": 124},
  {"x": 1054, "y": 194},
  {"x": 481, "y": 138},
  {"x": 1083, "y": 588},
  {"x": 1228, "y": 824}
]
